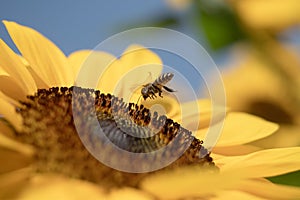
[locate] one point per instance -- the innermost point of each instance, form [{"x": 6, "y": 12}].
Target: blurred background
[{"x": 255, "y": 44}]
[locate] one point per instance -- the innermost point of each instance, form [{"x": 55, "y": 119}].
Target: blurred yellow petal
[
  {"x": 3, "y": 72},
  {"x": 286, "y": 136},
  {"x": 76, "y": 59},
  {"x": 13, "y": 155},
  {"x": 254, "y": 86},
  {"x": 198, "y": 114},
  {"x": 8, "y": 143},
  {"x": 251, "y": 79},
  {"x": 179, "y": 5},
  {"x": 235, "y": 195},
  {"x": 43, "y": 56},
  {"x": 12, "y": 183},
  {"x": 140, "y": 59},
  {"x": 11, "y": 88},
  {"x": 12, "y": 160},
  {"x": 6, "y": 129},
  {"x": 50, "y": 186},
  {"x": 167, "y": 105},
  {"x": 241, "y": 128},
  {"x": 189, "y": 182},
  {"x": 112, "y": 75},
  {"x": 89, "y": 66},
  {"x": 13, "y": 65},
  {"x": 272, "y": 14},
  {"x": 235, "y": 150},
  {"x": 193, "y": 112},
  {"x": 129, "y": 193},
  {"x": 9, "y": 112},
  {"x": 265, "y": 163},
  {"x": 11, "y": 100},
  {"x": 269, "y": 190},
  {"x": 96, "y": 59}
]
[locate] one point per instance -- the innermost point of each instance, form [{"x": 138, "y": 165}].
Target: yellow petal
[
  {"x": 137, "y": 62},
  {"x": 38, "y": 81},
  {"x": 3, "y": 72},
  {"x": 131, "y": 70},
  {"x": 13, "y": 65},
  {"x": 11, "y": 88},
  {"x": 241, "y": 128},
  {"x": 6, "y": 129},
  {"x": 189, "y": 182},
  {"x": 269, "y": 190},
  {"x": 167, "y": 105},
  {"x": 12, "y": 183},
  {"x": 8, "y": 143},
  {"x": 13, "y": 155},
  {"x": 111, "y": 77},
  {"x": 77, "y": 59},
  {"x": 273, "y": 14},
  {"x": 50, "y": 186},
  {"x": 234, "y": 195},
  {"x": 12, "y": 160},
  {"x": 286, "y": 136},
  {"x": 128, "y": 193},
  {"x": 265, "y": 163},
  {"x": 9, "y": 113},
  {"x": 235, "y": 150},
  {"x": 198, "y": 114},
  {"x": 264, "y": 86},
  {"x": 89, "y": 66},
  {"x": 43, "y": 56},
  {"x": 192, "y": 112}
]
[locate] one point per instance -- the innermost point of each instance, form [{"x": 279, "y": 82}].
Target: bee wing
[
  {"x": 136, "y": 86},
  {"x": 135, "y": 89},
  {"x": 169, "y": 89},
  {"x": 149, "y": 79}
]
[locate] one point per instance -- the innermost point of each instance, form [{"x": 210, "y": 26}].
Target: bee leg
[
  {"x": 160, "y": 94},
  {"x": 153, "y": 95}
]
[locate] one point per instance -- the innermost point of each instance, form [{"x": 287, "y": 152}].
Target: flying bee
[{"x": 151, "y": 89}]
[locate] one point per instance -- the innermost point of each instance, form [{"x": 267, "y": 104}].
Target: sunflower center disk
[{"x": 66, "y": 124}]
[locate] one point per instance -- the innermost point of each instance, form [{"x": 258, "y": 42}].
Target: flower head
[
  {"x": 256, "y": 87},
  {"x": 46, "y": 153}
]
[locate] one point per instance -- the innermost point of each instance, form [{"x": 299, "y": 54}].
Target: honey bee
[{"x": 151, "y": 89}]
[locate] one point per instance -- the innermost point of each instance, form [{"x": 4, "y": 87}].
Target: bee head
[{"x": 144, "y": 92}]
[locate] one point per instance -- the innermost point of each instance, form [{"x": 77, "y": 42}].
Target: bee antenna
[{"x": 138, "y": 99}]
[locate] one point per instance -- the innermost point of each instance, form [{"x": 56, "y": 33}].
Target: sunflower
[
  {"x": 273, "y": 15},
  {"x": 255, "y": 86},
  {"x": 42, "y": 156}
]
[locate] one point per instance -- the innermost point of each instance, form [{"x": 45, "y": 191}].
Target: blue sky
[{"x": 75, "y": 25}]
